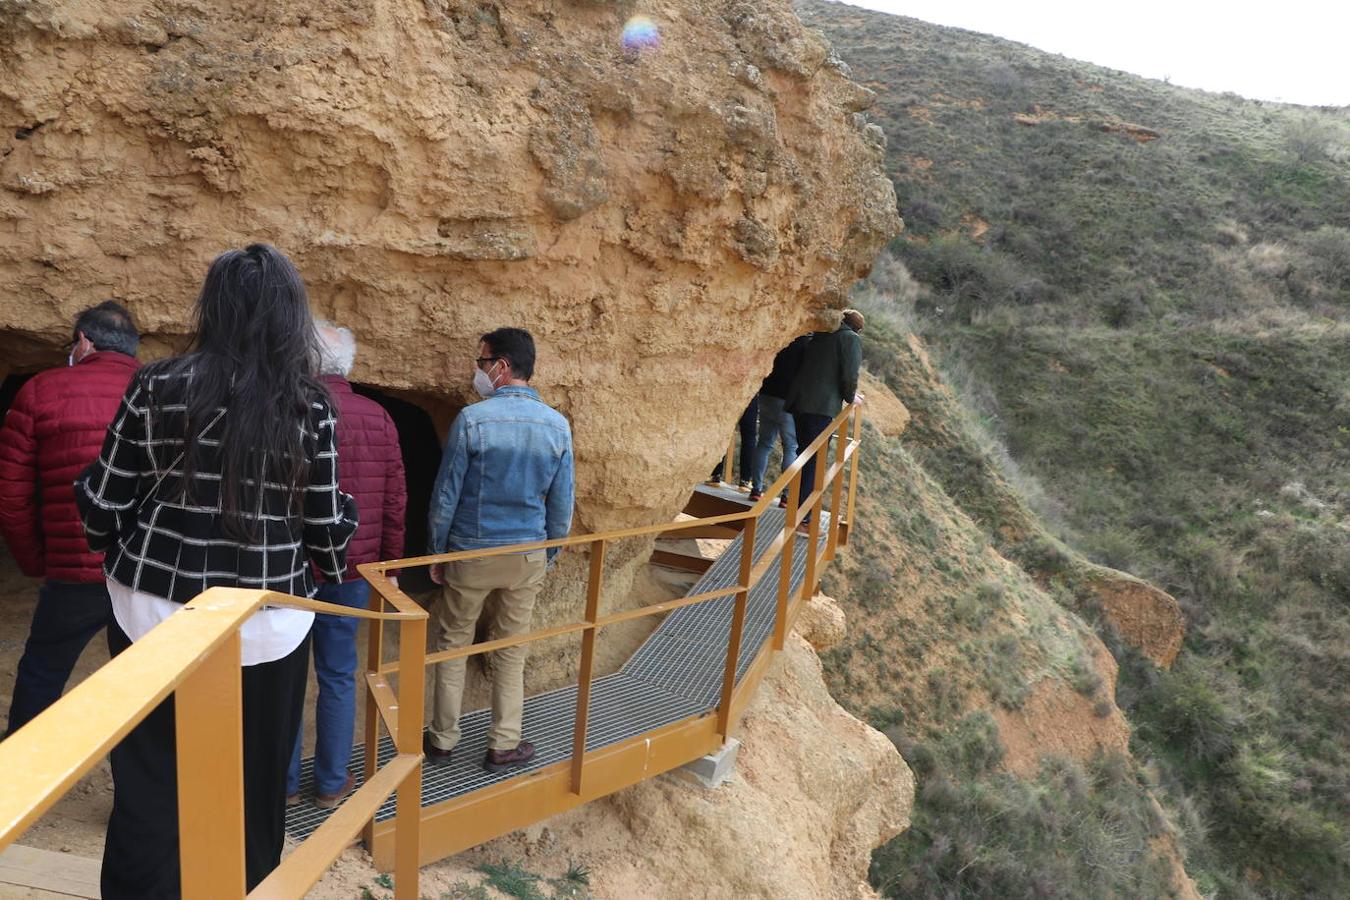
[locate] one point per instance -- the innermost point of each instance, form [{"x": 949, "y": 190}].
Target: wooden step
[{"x": 27, "y": 872}]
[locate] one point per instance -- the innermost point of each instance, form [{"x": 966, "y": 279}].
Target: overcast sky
[{"x": 1294, "y": 51}]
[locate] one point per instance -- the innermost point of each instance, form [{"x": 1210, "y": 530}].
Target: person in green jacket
[{"x": 827, "y": 379}]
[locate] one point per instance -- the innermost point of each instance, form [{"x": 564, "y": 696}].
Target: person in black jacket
[
  {"x": 774, "y": 420},
  {"x": 826, "y": 380},
  {"x": 219, "y": 469}
]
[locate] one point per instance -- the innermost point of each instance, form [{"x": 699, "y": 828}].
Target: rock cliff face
[{"x": 663, "y": 218}]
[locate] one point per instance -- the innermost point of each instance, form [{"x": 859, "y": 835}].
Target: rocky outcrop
[
  {"x": 1148, "y": 618},
  {"x": 664, "y": 218},
  {"x": 821, "y": 622},
  {"x": 1056, "y": 720},
  {"x": 881, "y": 407}
]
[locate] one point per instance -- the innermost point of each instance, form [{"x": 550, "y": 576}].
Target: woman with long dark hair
[{"x": 220, "y": 469}]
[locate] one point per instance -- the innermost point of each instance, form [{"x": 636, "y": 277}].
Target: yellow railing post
[
  {"x": 209, "y": 724},
  {"x": 412, "y": 649},
  {"x": 374, "y": 656},
  {"x": 785, "y": 563},
  {"x": 836, "y": 490},
  {"x": 737, "y": 629},
  {"x": 594, "y": 584},
  {"x": 817, "y": 506},
  {"x": 853, "y": 472},
  {"x": 727, "y": 476}
]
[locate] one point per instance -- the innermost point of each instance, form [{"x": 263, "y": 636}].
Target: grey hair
[
  {"x": 109, "y": 326},
  {"x": 337, "y": 348}
]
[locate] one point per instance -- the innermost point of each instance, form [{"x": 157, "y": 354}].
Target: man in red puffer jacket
[
  {"x": 52, "y": 431},
  {"x": 370, "y": 468}
]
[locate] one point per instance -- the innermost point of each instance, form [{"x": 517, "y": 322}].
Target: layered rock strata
[{"x": 663, "y": 218}]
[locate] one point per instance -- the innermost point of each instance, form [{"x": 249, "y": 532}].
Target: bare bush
[
  {"x": 1310, "y": 140},
  {"x": 1003, "y": 79}
]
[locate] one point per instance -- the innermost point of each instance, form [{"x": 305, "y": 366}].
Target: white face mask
[{"x": 483, "y": 384}]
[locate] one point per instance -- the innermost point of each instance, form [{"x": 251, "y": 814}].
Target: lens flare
[{"x": 640, "y": 34}]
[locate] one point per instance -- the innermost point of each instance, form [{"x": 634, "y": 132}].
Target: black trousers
[
  {"x": 140, "y": 855},
  {"x": 809, "y": 427},
  {"x": 67, "y": 616},
  {"x": 748, "y": 425}
]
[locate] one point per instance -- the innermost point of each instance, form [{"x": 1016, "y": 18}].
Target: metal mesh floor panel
[{"x": 676, "y": 673}]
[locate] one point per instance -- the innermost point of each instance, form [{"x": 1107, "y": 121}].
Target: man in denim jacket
[{"x": 505, "y": 478}]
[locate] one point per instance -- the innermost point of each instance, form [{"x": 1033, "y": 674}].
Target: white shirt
[{"x": 266, "y": 636}]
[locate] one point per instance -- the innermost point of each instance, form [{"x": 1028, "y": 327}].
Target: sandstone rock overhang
[{"x": 663, "y": 221}]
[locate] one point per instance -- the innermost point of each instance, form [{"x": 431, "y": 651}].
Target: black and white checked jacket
[{"x": 157, "y": 542}]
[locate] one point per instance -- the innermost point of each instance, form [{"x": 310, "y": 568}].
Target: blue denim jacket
[{"x": 506, "y": 476}]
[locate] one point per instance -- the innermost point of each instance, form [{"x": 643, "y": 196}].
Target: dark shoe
[
  {"x": 292, "y": 799},
  {"x": 782, "y": 502},
  {"x": 506, "y": 760},
  {"x": 434, "y": 755},
  {"x": 331, "y": 801},
  {"x": 756, "y": 496}
]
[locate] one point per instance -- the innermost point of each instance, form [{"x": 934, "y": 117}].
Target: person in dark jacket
[
  {"x": 774, "y": 420},
  {"x": 827, "y": 379},
  {"x": 220, "y": 469},
  {"x": 370, "y": 468},
  {"x": 52, "y": 431}
]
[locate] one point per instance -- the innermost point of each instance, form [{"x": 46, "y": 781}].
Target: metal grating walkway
[{"x": 675, "y": 674}]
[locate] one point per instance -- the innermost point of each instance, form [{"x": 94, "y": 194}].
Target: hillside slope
[
  {"x": 1037, "y": 188},
  {"x": 999, "y": 697},
  {"x": 1141, "y": 294}
]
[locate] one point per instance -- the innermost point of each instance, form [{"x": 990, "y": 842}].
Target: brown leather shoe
[
  {"x": 435, "y": 755},
  {"x": 506, "y": 760},
  {"x": 331, "y": 801}
]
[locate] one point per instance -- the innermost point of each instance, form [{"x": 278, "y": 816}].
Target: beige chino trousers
[{"x": 516, "y": 580}]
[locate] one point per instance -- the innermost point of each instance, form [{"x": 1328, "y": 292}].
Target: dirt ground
[{"x": 76, "y": 823}]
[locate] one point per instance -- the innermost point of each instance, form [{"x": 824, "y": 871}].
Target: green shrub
[
  {"x": 1071, "y": 832},
  {"x": 1004, "y": 678},
  {"x": 1183, "y": 710},
  {"x": 1328, "y": 257}
]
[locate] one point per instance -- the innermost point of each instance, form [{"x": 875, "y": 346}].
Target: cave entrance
[
  {"x": 9, "y": 388},
  {"x": 420, "y": 421}
]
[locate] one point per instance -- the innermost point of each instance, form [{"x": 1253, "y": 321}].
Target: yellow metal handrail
[
  {"x": 194, "y": 655},
  {"x": 829, "y": 483}
]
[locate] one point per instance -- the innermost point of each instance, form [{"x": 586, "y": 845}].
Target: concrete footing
[{"x": 711, "y": 770}]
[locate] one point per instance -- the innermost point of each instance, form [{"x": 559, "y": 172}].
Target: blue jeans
[
  {"x": 810, "y": 427},
  {"x": 68, "y": 614},
  {"x": 774, "y": 422},
  {"x": 335, "y": 670}
]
